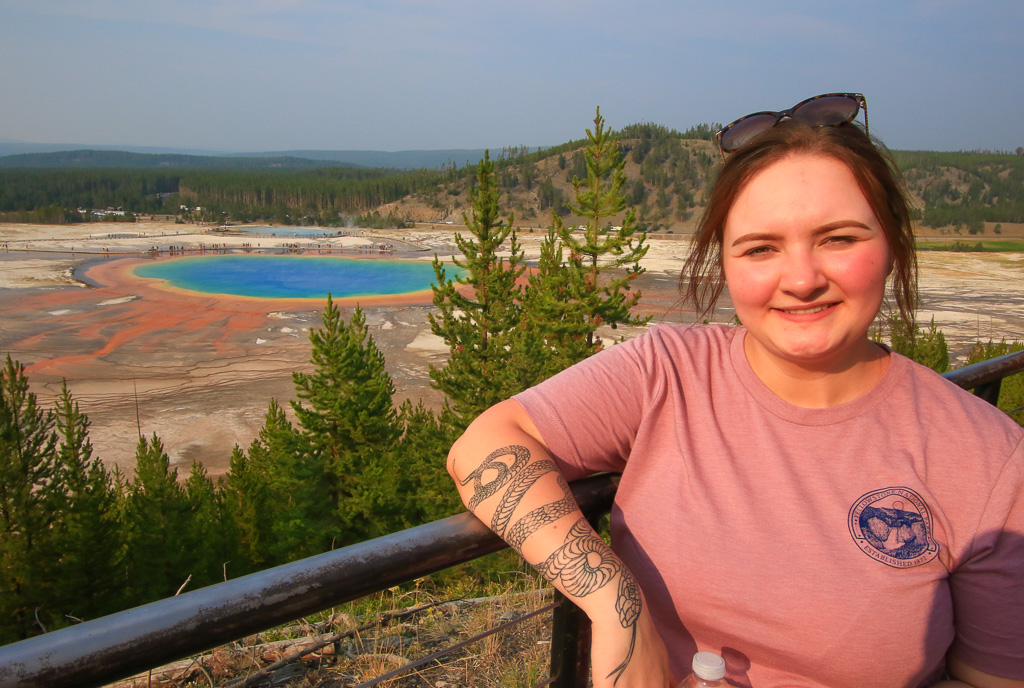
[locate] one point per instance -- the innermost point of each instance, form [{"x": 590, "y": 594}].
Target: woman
[{"x": 812, "y": 506}]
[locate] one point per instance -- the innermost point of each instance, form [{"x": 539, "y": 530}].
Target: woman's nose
[{"x": 802, "y": 274}]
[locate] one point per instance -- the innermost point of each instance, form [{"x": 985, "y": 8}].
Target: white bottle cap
[{"x": 708, "y": 666}]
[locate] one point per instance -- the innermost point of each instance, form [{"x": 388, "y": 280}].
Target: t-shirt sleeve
[
  {"x": 589, "y": 413},
  {"x": 988, "y": 587}
]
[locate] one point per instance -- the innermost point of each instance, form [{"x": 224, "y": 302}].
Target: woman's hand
[
  {"x": 966, "y": 676},
  {"x": 620, "y": 659}
]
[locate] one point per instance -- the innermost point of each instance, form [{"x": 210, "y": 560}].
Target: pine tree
[
  {"x": 245, "y": 491},
  {"x": 931, "y": 349},
  {"x": 157, "y": 526},
  {"x": 596, "y": 294},
  {"x": 927, "y": 348},
  {"x": 477, "y": 325},
  {"x": 206, "y": 535},
  {"x": 286, "y": 494},
  {"x": 424, "y": 483},
  {"x": 553, "y": 332},
  {"x": 87, "y": 534},
  {"x": 28, "y": 466},
  {"x": 1011, "y": 389},
  {"x": 349, "y": 425}
]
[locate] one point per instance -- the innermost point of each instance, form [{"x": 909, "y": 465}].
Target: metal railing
[{"x": 124, "y": 644}]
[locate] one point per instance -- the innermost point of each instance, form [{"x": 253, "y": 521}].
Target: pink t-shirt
[{"x": 809, "y": 547}]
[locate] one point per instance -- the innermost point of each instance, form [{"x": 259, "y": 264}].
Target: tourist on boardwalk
[{"x": 794, "y": 496}]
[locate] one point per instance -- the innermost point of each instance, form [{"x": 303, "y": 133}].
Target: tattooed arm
[{"x": 505, "y": 475}]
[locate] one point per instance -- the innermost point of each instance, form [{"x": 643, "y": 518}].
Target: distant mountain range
[{"x": 45, "y": 155}]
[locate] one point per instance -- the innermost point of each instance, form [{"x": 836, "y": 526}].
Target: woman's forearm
[{"x": 506, "y": 477}]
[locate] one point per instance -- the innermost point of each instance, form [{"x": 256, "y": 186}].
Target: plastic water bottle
[{"x": 708, "y": 672}]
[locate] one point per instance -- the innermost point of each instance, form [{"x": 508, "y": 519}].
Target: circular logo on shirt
[{"x": 894, "y": 526}]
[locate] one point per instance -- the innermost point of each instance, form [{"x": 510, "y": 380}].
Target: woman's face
[{"x": 806, "y": 261}]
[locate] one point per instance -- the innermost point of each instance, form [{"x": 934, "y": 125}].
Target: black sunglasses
[{"x": 826, "y": 110}]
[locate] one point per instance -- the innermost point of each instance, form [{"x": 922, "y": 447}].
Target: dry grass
[{"x": 329, "y": 650}]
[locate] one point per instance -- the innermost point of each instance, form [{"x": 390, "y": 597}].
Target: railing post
[
  {"x": 570, "y": 645},
  {"x": 989, "y": 391}
]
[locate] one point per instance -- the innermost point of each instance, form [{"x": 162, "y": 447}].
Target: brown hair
[{"x": 872, "y": 165}]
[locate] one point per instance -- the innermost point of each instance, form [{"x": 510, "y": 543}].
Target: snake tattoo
[{"x": 583, "y": 563}]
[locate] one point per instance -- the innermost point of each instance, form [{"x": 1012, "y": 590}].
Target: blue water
[{"x": 293, "y": 277}]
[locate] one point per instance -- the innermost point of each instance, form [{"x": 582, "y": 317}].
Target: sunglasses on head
[{"x": 826, "y": 110}]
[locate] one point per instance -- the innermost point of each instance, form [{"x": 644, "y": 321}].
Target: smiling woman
[
  {"x": 291, "y": 277},
  {"x": 785, "y": 480},
  {"x": 806, "y": 261}
]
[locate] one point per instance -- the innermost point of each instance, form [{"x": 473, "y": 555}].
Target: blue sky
[{"x": 256, "y": 75}]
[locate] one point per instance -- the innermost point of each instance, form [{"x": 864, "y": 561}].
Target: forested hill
[
  {"x": 668, "y": 177},
  {"x": 965, "y": 188}
]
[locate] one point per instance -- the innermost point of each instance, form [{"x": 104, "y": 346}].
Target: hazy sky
[{"x": 256, "y": 75}]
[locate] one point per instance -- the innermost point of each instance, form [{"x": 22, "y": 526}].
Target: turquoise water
[{"x": 292, "y": 277}]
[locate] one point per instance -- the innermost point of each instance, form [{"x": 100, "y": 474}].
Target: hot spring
[{"x": 293, "y": 277}]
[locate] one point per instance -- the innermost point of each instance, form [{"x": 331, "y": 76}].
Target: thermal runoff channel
[{"x": 292, "y": 277}]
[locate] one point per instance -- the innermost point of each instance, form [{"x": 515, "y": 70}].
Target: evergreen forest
[
  {"x": 78, "y": 540},
  {"x": 667, "y": 175}
]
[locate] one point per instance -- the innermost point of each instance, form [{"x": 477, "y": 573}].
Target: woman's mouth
[{"x": 806, "y": 311}]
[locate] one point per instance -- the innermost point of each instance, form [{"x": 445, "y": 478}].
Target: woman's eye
[
  {"x": 840, "y": 240},
  {"x": 757, "y": 251}
]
